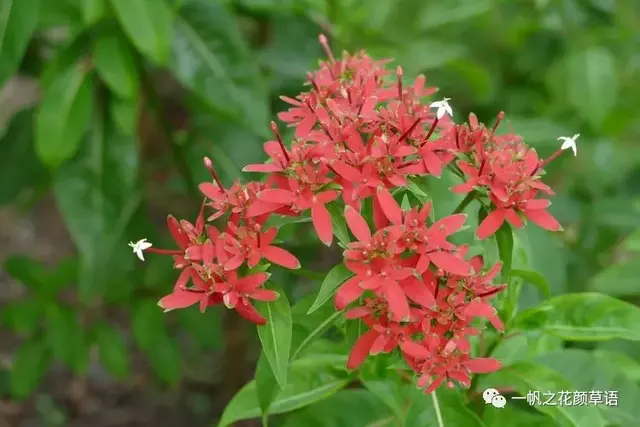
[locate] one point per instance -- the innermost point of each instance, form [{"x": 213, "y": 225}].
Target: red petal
[
  {"x": 543, "y": 219},
  {"x": 450, "y": 263},
  {"x": 389, "y": 206},
  {"x": 513, "y": 218},
  {"x": 347, "y": 172},
  {"x": 357, "y": 312},
  {"x": 482, "y": 365},
  {"x": 418, "y": 292},
  {"x": 179, "y": 299},
  {"x": 249, "y": 283},
  {"x": 414, "y": 350},
  {"x": 450, "y": 224},
  {"x": 361, "y": 349},
  {"x": 264, "y": 295},
  {"x": 537, "y": 204},
  {"x": 281, "y": 257},
  {"x": 322, "y": 223},
  {"x": 211, "y": 190},
  {"x": 305, "y": 126},
  {"x": 357, "y": 224},
  {"x": 276, "y": 195},
  {"x": 260, "y": 207},
  {"x": 398, "y": 304},
  {"x": 178, "y": 234},
  {"x": 264, "y": 168},
  {"x": 348, "y": 293},
  {"x": 250, "y": 313},
  {"x": 491, "y": 224}
]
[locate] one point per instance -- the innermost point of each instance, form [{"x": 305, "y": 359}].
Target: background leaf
[
  {"x": 63, "y": 115},
  {"x": 18, "y": 19},
  {"x": 147, "y": 23}
]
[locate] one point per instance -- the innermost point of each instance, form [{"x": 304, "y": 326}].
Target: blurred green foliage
[{"x": 135, "y": 92}]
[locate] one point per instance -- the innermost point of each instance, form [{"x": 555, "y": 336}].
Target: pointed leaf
[
  {"x": 587, "y": 316},
  {"x": 275, "y": 336},
  {"x": 148, "y": 24},
  {"x": 211, "y": 57},
  {"x": 311, "y": 379},
  {"x": 18, "y": 19},
  {"x": 115, "y": 63},
  {"x": 336, "y": 277},
  {"x": 63, "y": 115}
]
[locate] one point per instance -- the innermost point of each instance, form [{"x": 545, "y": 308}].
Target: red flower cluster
[{"x": 361, "y": 133}]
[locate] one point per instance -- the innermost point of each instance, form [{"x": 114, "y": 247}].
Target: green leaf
[
  {"x": 165, "y": 359},
  {"x": 211, "y": 57},
  {"x": 453, "y": 406},
  {"x": 392, "y": 392},
  {"x": 116, "y": 64},
  {"x": 524, "y": 417},
  {"x": 66, "y": 338},
  {"x": 18, "y": 19},
  {"x": 147, "y": 324},
  {"x": 27, "y": 271},
  {"x": 311, "y": 380},
  {"x": 124, "y": 113},
  {"x": 632, "y": 241},
  {"x": 504, "y": 240},
  {"x": 63, "y": 115},
  {"x": 587, "y": 316},
  {"x": 16, "y": 148},
  {"x": 29, "y": 364},
  {"x": 592, "y": 83},
  {"x": 114, "y": 354},
  {"x": 336, "y": 277},
  {"x": 618, "y": 280},
  {"x": 98, "y": 196},
  {"x": 526, "y": 377},
  {"x": 340, "y": 410},
  {"x": 315, "y": 325},
  {"x": 266, "y": 385},
  {"x": 148, "y": 24},
  {"x": 23, "y": 317},
  {"x": 535, "y": 278},
  {"x": 93, "y": 11},
  {"x": 587, "y": 371},
  {"x": 275, "y": 336},
  {"x": 434, "y": 15},
  {"x": 339, "y": 224}
]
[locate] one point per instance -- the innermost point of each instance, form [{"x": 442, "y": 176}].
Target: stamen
[{"x": 498, "y": 120}]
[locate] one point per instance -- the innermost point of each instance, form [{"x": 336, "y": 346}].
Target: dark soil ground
[{"x": 97, "y": 400}]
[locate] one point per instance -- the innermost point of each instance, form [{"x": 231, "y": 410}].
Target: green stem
[
  {"x": 465, "y": 202},
  {"x": 436, "y": 405}
]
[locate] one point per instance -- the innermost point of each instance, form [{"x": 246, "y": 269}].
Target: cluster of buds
[{"x": 360, "y": 133}]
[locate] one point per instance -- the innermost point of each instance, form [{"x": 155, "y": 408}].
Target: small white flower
[
  {"x": 443, "y": 108},
  {"x": 139, "y": 247},
  {"x": 569, "y": 143}
]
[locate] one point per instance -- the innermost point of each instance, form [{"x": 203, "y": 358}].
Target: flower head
[
  {"x": 443, "y": 108},
  {"x": 139, "y": 247},
  {"x": 569, "y": 142}
]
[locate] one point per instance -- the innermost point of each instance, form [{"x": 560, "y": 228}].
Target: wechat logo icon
[{"x": 493, "y": 397}]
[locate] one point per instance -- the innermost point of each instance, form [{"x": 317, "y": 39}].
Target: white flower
[
  {"x": 139, "y": 247},
  {"x": 569, "y": 143},
  {"x": 443, "y": 108}
]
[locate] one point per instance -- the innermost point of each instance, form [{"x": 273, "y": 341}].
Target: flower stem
[
  {"x": 465, "y": 202},
  {"x": 436, "y": 405}
]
